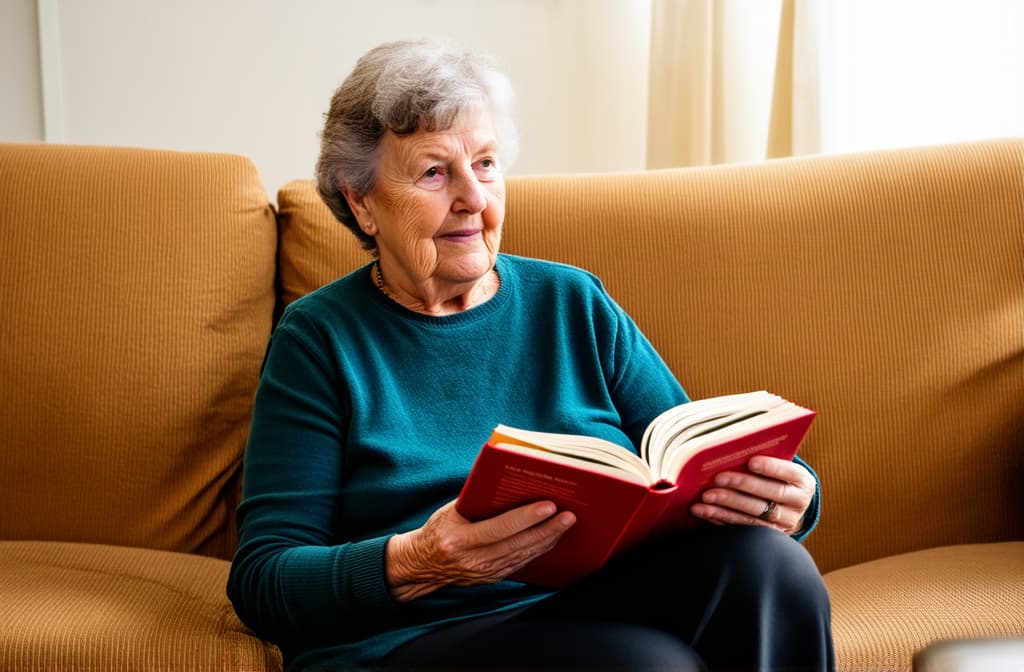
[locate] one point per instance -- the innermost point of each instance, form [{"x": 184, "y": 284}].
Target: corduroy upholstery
[
  {"x": 883, "y": 608},
  {"x": 885, "y": 289},
  {"x": 138, "y": 293},
  {"x": 73, "y": 606},
  {"x": 138, "y": 297}
]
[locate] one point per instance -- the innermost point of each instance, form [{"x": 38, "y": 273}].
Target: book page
[
  {"x": 677, "y": 424},
  {"x": 624, "y": 470},
  {"x": 681, "y": 450},
  {"x": 585, "y": 450}
]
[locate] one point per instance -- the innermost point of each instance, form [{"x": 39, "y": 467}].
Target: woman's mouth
[{"x": 463, "y": 236}]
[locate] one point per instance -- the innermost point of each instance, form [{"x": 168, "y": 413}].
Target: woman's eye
[
  {"x": 434, "y": 177},
  {"x": 487, "y": 168}
]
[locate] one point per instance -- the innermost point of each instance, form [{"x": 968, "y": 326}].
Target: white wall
[{"x": 255, "y": 76}]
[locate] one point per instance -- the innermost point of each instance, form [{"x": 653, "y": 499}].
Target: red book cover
[{"x": 614, "y": 510}]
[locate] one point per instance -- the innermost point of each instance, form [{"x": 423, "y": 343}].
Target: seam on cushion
[
  {"x": 172, "y": 588},
  {"x": 226, "y": 627}
]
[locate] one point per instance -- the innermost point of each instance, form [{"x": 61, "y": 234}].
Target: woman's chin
[{"x": 469, "y": 272}]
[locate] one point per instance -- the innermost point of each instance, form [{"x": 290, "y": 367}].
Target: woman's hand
[
  {"x": 451, "y": 550},
  {"x": 776, "y": 493}
]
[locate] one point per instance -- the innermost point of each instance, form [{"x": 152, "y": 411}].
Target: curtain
[
  {"x": 746, "y": 80},
  {"x": 732, "y": 81}
]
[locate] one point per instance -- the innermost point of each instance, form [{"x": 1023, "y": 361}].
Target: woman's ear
[{"x": 360, "y": 206}]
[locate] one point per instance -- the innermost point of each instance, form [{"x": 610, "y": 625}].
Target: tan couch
[{"x": 884, "y": 289}]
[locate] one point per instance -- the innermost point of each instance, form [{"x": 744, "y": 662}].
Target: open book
[{"x": 620, "y": 498}]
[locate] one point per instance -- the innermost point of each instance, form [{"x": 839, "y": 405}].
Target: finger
[
  {"x": 512, "y": 522},
  {"x": 787, "y": 471},
  {"x": 451, "y": 549},
  {"x": 759, "y": 488},
  {"x": 520, "y": 549},
  {"x": 528, "y": 531},
  {"x": 498, "y": 560},
  {"x": 718, "y": 515},
  {"x": 737, "y": 507},
  {"x": 797, "y": 495}
]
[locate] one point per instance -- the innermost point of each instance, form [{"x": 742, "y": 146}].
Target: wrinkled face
[{"x": 438, "y": 203}]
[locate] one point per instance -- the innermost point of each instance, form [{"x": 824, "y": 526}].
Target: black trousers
[{"x": 720, "y": 599}]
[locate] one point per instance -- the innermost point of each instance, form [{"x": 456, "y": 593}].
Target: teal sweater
[{"x": 368, "y": 418}]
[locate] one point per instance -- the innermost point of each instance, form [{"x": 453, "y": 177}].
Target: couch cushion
[
  {"x": 138, "y": 297},
  {"x": 315, "y": 248},
  {"x": 91, "y": 607},
  {"x": 886, "y": 610}
]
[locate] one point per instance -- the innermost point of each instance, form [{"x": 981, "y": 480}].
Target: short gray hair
[{"x": 402, "y": 87}]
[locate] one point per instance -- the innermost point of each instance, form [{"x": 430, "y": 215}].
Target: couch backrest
[
  {"x": 137, "y": 300},
  {"x": 884, "y": 289}
]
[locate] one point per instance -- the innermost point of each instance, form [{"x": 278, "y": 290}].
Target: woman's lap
[
  {"x": 550, "y": 645},
  {"x": 730, "y": 596}
]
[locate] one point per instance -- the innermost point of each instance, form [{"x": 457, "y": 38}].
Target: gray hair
[{"x": 403, "y": 87}]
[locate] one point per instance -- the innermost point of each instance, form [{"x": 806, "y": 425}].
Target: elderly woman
[{"x": 379, "y": 389}]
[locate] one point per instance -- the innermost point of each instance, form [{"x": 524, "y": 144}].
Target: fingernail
[
  {"x": 546, "y": 510},
  {"x": 567, "y": 519}
]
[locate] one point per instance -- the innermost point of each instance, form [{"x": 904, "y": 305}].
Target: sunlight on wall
[{"x": 905, "y": 72}]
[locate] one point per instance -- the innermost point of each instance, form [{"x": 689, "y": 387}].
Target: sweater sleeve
[
  {"x": 287, "y": 581},
  {"x": 813, "y": 512}
]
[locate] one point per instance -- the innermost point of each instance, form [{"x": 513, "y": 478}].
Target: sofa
[{"x": 885, "y": 289}]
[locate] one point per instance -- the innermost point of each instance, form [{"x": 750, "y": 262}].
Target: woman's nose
[{"x": 469, "y": 195}]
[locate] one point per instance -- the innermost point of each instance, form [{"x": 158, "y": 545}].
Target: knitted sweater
[{"x": 368, "y": 418}]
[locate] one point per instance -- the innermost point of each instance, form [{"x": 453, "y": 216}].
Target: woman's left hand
[{"x": 776, "y": 493}]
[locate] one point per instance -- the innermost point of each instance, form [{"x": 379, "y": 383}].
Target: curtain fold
[
  {"x": 795, "y": 121},
  {"x": 732, "y": 81}
]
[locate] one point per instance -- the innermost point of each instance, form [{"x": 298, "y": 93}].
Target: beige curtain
[{"x": 732, "y": 81}]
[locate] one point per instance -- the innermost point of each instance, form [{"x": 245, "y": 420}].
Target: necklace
[{"x": 380, "y": 279}]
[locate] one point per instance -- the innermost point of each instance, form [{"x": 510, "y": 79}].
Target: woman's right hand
[{"x": 451, "y": 550}]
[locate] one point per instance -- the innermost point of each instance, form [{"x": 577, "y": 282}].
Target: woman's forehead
[{"x": 471, "y": 132}]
